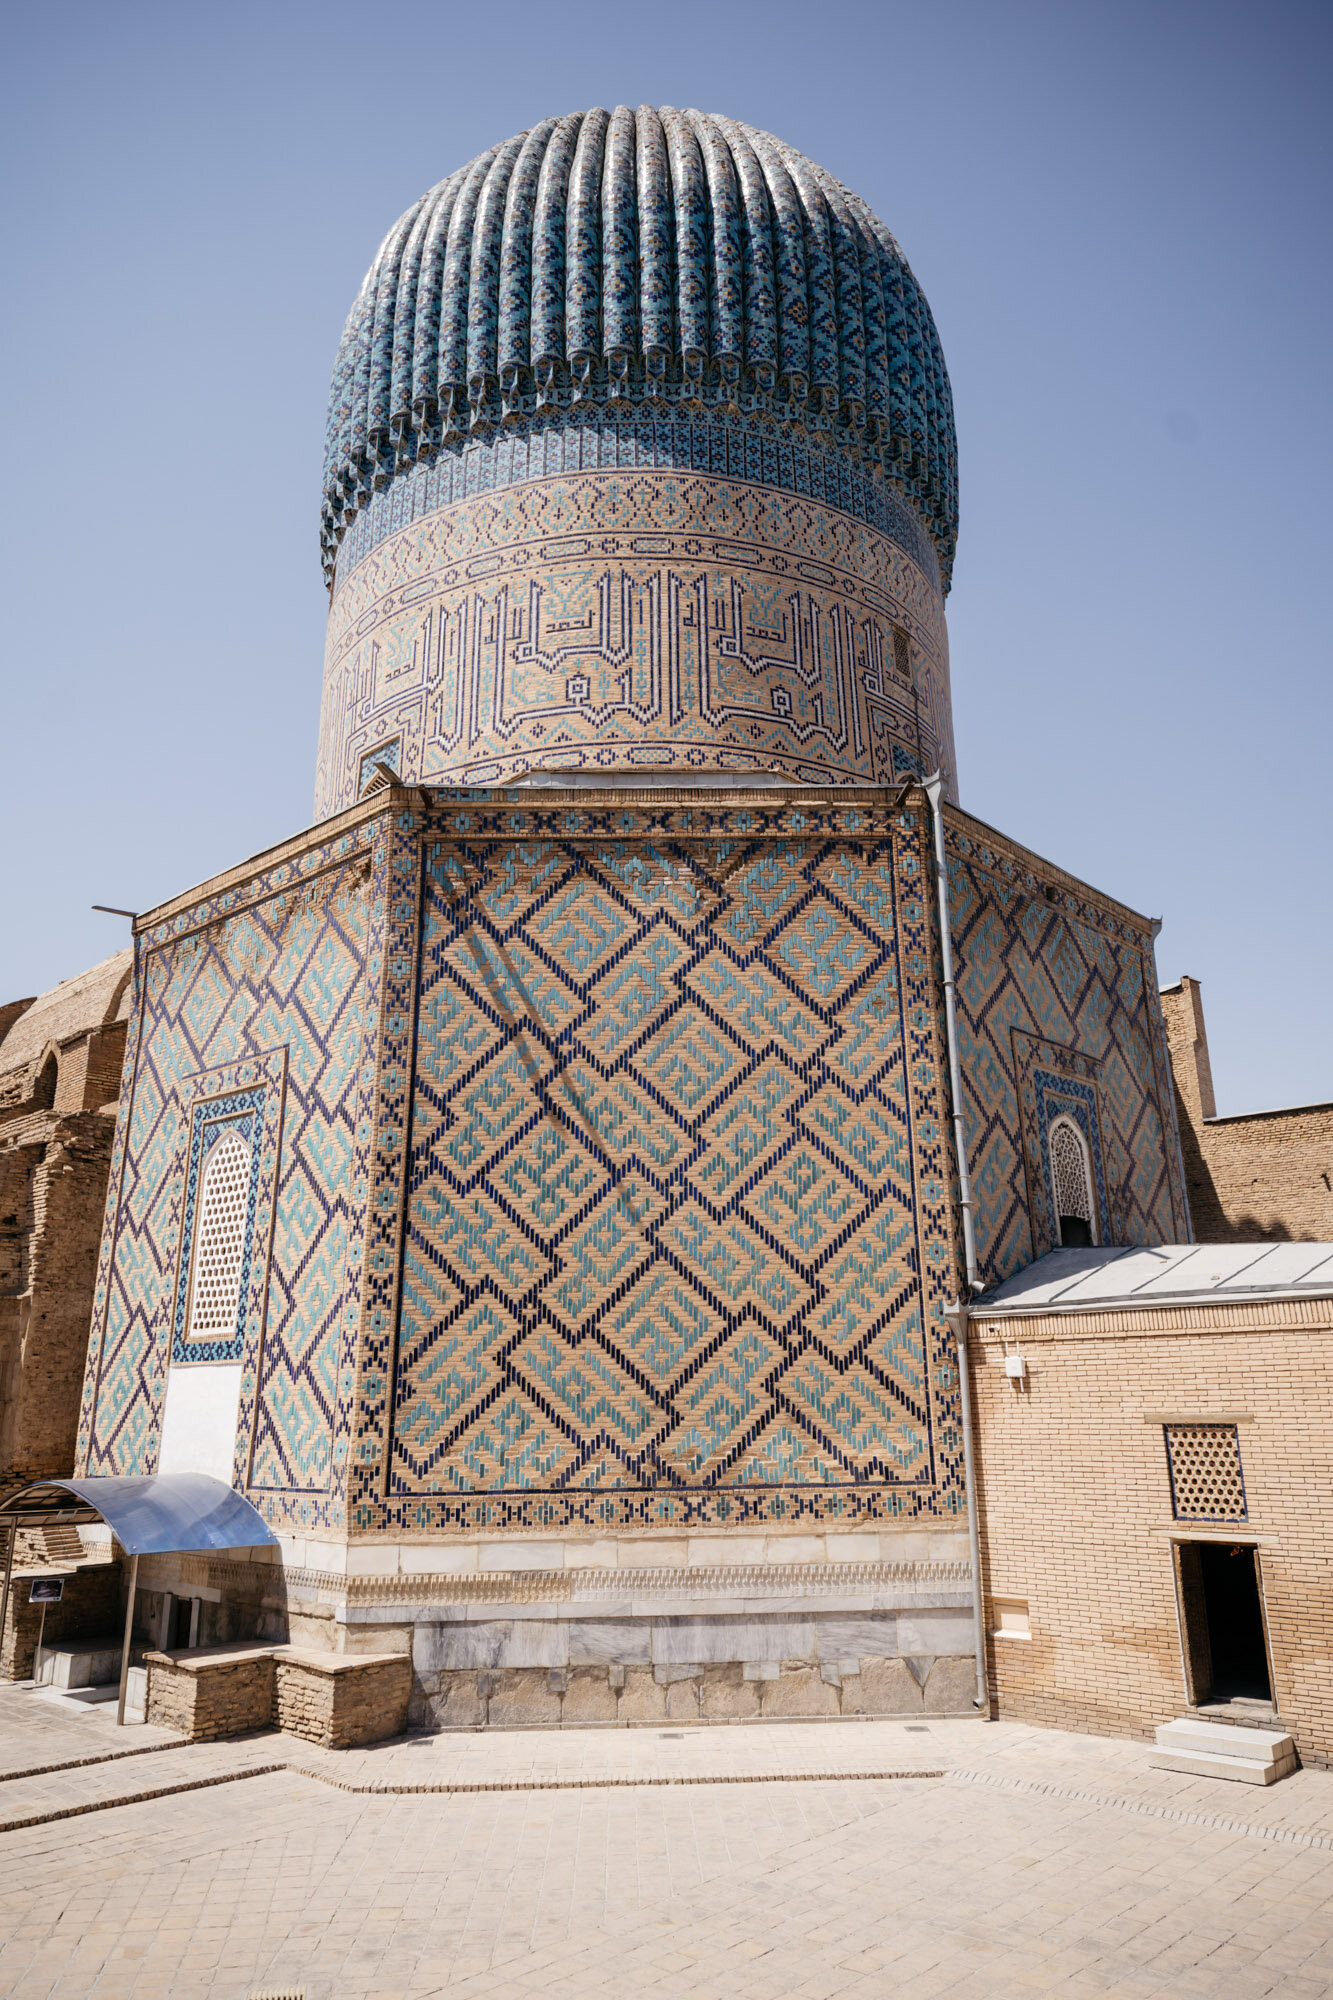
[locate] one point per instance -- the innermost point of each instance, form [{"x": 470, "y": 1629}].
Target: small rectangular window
[
  {"x": 1203, "y": 1463},
  {"x": 1011, "y": 1618}
]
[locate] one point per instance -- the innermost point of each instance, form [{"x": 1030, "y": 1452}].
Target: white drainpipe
[{"x": 957, "y": 1315}]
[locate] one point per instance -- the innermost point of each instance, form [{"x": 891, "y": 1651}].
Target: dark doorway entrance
[
  {"x": 182, "y": 1623},
  {"x": 1223, "y": 1618}
]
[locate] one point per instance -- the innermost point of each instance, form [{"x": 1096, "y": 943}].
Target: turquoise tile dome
[{"x": 632, "y": 263}]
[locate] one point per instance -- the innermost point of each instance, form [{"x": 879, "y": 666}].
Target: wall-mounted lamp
[{"x": 1016, "y": 1368}]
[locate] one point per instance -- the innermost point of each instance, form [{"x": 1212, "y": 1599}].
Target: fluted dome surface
[{"x": 638, "y": 260}]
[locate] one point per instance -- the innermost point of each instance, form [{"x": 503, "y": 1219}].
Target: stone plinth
[
  {"x": 214, "y": 1692},
  {"x": 341, "y": 1701},
  {"x": 336, "y": 1701}
]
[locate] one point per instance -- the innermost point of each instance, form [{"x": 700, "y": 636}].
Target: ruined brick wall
[
  {"x": 60, "y": 1058},
  {"x": 81, "y": 1025},
  {"x": 53, "y": 1170},
  {"x": 1252, "y": 1177},
  {"x": 1077, "y": 1506}
]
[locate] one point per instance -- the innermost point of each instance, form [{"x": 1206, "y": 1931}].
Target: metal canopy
[
  {"x": 171, "y": 1513},
  {"x": 168, "y": 1514}
]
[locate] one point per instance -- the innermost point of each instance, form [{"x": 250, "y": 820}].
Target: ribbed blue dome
[{"x": 640, "y": 260}]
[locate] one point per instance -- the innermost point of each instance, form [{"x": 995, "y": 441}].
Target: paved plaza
[{"x": 754, "y": 1862}]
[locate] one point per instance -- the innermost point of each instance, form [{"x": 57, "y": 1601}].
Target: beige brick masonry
[
  {"x": 1077, "y": 1513},
  {"x": 340, "y": 1702}
]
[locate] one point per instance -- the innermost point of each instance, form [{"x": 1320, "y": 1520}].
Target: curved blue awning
[{"x": 169, "y": 1513}]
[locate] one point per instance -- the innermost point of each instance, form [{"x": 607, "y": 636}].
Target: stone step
[
  {"x": 1224, "y": 1750},
  {"x": 1223, "y": 1739},
  {"x": 1200, "y": 1764}
]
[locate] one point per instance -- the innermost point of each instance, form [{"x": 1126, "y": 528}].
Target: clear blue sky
[{"x": 1121, "y": 218}]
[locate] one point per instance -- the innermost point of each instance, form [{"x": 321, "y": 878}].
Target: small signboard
[{"x": 46, "y": 1590}]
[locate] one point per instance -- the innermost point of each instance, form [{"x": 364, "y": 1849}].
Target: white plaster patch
[{"x": 199, "y": 1421}]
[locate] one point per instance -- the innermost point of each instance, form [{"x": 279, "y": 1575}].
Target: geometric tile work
[
  {"x": 251, "y": 984},
  {"x": 652, "y": 618},
  {"x": 728, "y": 447},
  {"x": 607, "y": 1154},
  {"x": 676, "y": 1236},
  {"x": 1057, "y": 1011},
  {"x": 1053, "y": 1083},
  {"x": 215, "y": 1117}
]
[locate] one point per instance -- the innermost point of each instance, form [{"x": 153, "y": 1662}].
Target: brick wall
[
  {"x": 1077, "y": 1510},
  {"x": 53, "y": 1176},
  {"x": 215, "y": 1692},
  {"x": 210, "y": 1695},
  {"x": 342, "y": 1702},
  {"x": 60, "y": 1059},
  {"x": 1256, "y": 1176}
]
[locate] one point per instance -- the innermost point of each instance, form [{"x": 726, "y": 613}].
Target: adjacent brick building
[
  {"x": 1156, "y": 1488},
  {"x": 1255, "y": 1175},
  {"x": 60, "y": 1061}
]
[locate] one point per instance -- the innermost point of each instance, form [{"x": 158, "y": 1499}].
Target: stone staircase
[{"x": 1224, "y": 1750}]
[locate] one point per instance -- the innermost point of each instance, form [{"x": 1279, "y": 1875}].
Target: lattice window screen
[
  {"x": 219, "y": 1240},
  {"x": 1069, "y": 1171},
  {"x": 1207, "y": 1483}
]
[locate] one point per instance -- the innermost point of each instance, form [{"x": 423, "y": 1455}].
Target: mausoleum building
[{"x": 539, "y": 1186}]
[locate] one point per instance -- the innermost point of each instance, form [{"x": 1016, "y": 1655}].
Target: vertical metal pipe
[
  {"x": 125, "y": 1648},
  {"x": 4, "y": 1599},
  {"x": 957, "y": 1317},
  {"x": 934, "y": 787}
]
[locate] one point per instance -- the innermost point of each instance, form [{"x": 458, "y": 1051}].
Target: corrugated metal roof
[
  {"x": 163, "y": 1513},
  {"x": 1069, "y": 1280}
]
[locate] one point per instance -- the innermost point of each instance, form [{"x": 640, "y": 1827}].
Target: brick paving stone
[{"x": 822, "y": 1886}]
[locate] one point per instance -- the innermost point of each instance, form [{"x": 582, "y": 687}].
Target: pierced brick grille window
[
  {"x": 219, "y": 1240},
  {"x": 1207, "y": 1483},
  {"x": 902, "y": 653},
  {"x": 1071, "y": 1180}
]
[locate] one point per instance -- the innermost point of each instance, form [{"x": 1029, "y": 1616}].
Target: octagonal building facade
[{"x": 540, "y": 1185}]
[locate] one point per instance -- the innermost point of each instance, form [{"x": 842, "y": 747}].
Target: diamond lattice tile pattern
[{"x": 664, "y": 1252}]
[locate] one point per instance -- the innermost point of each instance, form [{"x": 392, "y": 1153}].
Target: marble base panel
[
  {"x": 708, "y": 1631},
  {"x": 693, "y": 1692},
  {"x": 717, "y": 1666}
]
